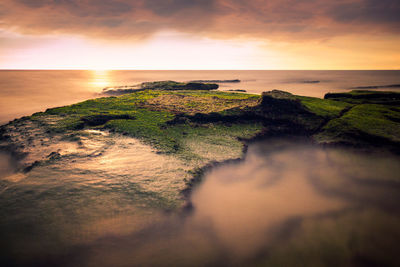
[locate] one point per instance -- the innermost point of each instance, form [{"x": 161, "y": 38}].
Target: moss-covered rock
[
  {"x": 370, "y": 119},
  {"x": 364, "y": 124},
  {"x": 366, "y": 97},
  {"x": 285, "y": 113},
  {"x": 160, "y": 85},
  {"x": 100, "y": 119},
  {"x": 153, "y": 113},
  {"x": 202, "y": 126}
]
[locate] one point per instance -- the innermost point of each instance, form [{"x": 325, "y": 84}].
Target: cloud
[
  {"x": 170, "y": 7},
  {"x": 379, "y": 12},
  {"x": 283, "y": 19}
]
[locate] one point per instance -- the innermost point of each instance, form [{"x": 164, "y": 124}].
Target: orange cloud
[{"x": 252, "y": 34}]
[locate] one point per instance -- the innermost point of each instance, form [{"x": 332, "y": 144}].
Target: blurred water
[
  {"x": 25, "y": 92},
  {"x": 288, "y": 203}
]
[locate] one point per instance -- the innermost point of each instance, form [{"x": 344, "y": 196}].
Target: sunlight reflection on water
[{"x": 101, "y": 79}]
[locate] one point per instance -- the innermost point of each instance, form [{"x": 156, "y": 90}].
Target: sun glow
[
  {"x": 167, "y": 50},
  {"x": 178, "y": 51},
  {"x": 101, "y": 78}
]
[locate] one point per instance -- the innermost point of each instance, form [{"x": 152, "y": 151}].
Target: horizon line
[{"x": 45, "y": 69}]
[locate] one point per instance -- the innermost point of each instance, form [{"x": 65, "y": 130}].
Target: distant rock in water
[
  {"x": 316, "y": 81},
  {"x": 216, "y": 81},
  {"x": 377, "y": 86},
  {"x": 159, "y": 85},
  {"x": 172, "y": 85}
]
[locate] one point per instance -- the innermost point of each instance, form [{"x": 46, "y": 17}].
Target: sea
[{"x": 23, "y": 92}]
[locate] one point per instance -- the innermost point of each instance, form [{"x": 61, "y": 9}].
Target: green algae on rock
[
  {"x": 367, "y": 119},
  {"x": 195, "y": 126},
  {"x": 161, "y": 85},
  {"x": 372, "y": 119},
  {"x": 366, "y": 97},
  {"x": 181, "y": 146}
]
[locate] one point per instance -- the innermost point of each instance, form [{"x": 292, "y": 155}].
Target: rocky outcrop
[
  {"x": 96, "y": 120},
  {"x": 160, "y": 85},
  {"x": 216, "y": 81},
  {"x": 366, "y": 97},
  {"x": 377, "y": 86}
]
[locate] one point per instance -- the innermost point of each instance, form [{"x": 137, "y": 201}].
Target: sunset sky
[{"x": 199, "y": 34}]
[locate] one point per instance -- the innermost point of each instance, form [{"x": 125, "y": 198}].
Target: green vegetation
[
  {"x": 200, "y": 126},
  {"x": 366, "y": 97},
  {"x": 363, "y": 122},
  {"x": 161, "y": 85},
  {"x": 152, "y": 113},
  {"x": 190, "y": 128},
  {"x": 147, "y": 115},
  {"x": 323, "y": 107},
  {"x": 221, "y": 95},
  {"x": 172, "y": 86}
]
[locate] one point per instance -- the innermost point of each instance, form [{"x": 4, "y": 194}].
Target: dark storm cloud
[
  {"x": 370, "y": 11},
  {"x": 169, "y": 7},
  {"x": 215, "y": 18},
  {"x": 82, "y": 8}
]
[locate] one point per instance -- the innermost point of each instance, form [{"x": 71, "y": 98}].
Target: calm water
[
  {"x": 25, "y": 92},
  {"x": 287, "y": 204}
]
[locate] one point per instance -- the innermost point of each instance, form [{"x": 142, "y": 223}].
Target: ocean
[{"x": 23, "y": 92}]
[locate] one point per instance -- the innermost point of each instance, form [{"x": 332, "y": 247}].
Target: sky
[{"x": 199, "y": 34}]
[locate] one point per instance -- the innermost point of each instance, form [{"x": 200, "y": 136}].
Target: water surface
[{"x": 288, "y": 203}]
